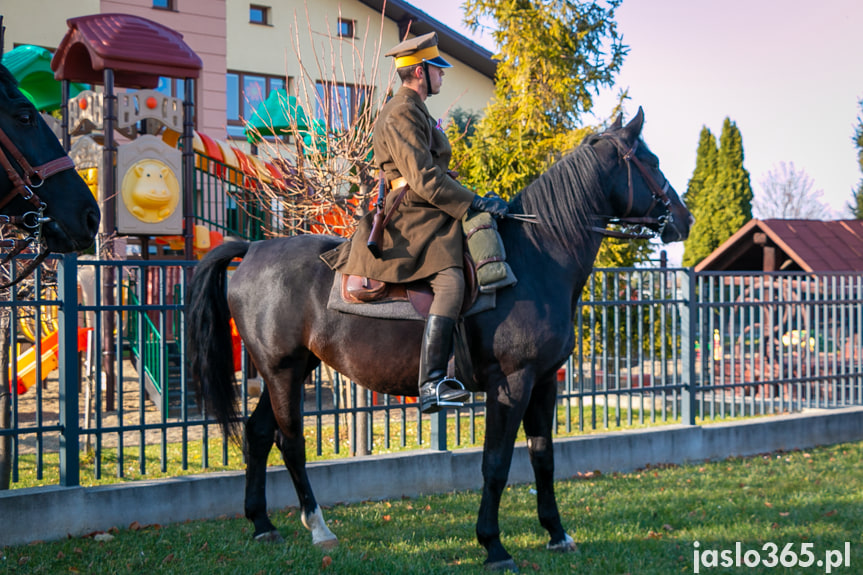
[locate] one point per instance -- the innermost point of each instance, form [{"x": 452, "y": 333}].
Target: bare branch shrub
[
  {"x": 787, "y": 193},
  {"x": 325, "y": 165}
]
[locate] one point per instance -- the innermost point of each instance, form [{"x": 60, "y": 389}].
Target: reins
[
  {"x": 23, "y": 185},
  {"x": 637, "y": 227}
]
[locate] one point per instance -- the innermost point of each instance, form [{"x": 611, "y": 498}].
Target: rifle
[{"x": 376, "y": 235}]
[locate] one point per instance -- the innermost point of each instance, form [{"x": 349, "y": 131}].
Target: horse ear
[
  {"x": 633, "y": 128},
  {"x": 618, "y": 123}
]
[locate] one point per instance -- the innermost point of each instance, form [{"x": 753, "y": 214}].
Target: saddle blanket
[{"x": 398, "y": 309}]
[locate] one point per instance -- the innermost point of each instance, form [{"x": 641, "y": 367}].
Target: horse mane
[
  {"x": 6, "y": 77},
  {"x": 566, "y": 197}
]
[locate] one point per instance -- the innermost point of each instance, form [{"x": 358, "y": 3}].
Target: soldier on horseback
[{"x": 423, "y": 236}]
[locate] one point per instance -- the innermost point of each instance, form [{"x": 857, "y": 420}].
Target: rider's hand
[{"x": 492, "y": 204}]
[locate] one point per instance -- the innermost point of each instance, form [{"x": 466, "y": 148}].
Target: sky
[{"x": 789, "y": 73}]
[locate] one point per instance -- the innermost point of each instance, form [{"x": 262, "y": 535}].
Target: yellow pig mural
[{"x": 150, "y": 191}]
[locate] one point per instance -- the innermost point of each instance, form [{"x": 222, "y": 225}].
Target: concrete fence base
[{"x": 46, "y": 513}]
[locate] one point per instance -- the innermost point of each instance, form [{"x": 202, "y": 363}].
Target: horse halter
[
  {"x": 636, "y": 227},
  {"x": 23, "y": 184}
]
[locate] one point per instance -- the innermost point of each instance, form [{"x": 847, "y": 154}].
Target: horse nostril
[{"x": 93, "y": 218}]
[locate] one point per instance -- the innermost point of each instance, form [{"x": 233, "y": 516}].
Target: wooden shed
[{"x": 790, "y": 245}]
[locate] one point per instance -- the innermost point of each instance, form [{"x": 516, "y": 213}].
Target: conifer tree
[
  {"x": 856, "y": 204},
  {"x": 553, "y": 57},
  {"x": 734, "y": 189},
  {"x": 721, "y": 196},
  {"x": 696, "y": 247}
]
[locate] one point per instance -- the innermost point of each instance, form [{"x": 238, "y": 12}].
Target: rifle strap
[{"x": 402, "y": 190}]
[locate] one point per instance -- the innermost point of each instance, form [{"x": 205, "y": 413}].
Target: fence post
[
  {"x": 438, "y": 430},
  {"x": 688, "y": 335},
  {"x": 67, "y": 316}
]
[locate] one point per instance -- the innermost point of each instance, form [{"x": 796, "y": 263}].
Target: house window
[
  {"x": 346, "y": 28},
  {"x": 259, "y": 14},
  {"x": 173, "y": 87},
  {"x": 163, "y": 4},
  {"x": 245, "y": 92},
  {"x": 338, "y": 104}
]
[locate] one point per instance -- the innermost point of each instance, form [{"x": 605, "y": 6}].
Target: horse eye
[{"x": 26, "y": 117}]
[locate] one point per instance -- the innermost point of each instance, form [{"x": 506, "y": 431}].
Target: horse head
[
  {"x": 40, "y": 191},
  {"x": 640, "y": 194}
]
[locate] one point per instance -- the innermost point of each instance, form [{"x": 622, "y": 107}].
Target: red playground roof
[{"x": 137, "y": 49}]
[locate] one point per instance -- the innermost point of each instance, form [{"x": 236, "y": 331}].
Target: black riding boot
[{"x": 436, "y": 390}]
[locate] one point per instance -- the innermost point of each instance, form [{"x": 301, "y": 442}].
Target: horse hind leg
[
  {"x": 291, "y": 443},
  {"x": 537, "y": 426},
  {"x": 294, "y": 456},
  {"x": 260, "y": 432}
]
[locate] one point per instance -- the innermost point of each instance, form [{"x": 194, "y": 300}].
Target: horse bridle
[
  {"x": 637, "y": 227},
  {"x": 24, "y": 185}
]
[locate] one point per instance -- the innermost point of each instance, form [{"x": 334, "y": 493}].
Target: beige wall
[
  {"x": 301, "y": 35},
  {"x": 41, "y": 22},
  {"x": 304, "y": 34},
  {"x": 202, "y": 24}
]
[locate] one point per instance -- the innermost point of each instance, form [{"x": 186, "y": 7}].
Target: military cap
[{"x": 418, "y": 50}]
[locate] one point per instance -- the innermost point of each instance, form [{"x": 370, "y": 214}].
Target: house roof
[
  {"x": 449, "y": 40},
  {"x": 808, "y": 245},
  {"x": 137, "y": 49}
]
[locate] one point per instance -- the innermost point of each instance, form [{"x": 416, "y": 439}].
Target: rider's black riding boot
[{"x": 436, "y": 390}]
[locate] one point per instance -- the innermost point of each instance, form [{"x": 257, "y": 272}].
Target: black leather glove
[{"x": 492, "y": 204}]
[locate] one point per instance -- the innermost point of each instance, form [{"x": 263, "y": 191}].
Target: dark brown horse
[
  {"x": 40, "y": 191},
  {"x": 278, "y": 298}
]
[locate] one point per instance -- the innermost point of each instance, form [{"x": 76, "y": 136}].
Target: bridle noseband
[
  {"x": 24, "y": 185},
  {"x": 636, "y": 227}
]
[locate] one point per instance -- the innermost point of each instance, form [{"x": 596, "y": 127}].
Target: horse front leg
[
  {"x": 538, "y": 419},
  {"x": 504, "y": 409},
  {"x": 260, "y": 433}
]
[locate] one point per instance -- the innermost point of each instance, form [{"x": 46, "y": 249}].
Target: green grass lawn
[{"x": 645, "y": 523}]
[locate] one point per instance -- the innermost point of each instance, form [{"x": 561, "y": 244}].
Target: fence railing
[{"x": 653, "y": 346}]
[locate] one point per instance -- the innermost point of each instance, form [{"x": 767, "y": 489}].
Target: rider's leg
[{"x": 437, "y": 346}]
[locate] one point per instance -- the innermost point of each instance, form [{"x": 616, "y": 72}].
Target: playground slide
[{"x": 50, "y": 359}]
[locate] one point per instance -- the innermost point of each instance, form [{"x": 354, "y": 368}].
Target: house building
[
  {"x": 332, "y": 47},
  {"x": 774, "y": 245}
]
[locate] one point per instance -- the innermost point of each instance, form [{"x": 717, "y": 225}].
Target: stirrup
[
  {"x": 438, "y": 401},
  {"x": 458, "y": 386}
]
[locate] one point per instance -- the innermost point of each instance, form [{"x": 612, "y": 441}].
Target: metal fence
[{"x": 106, "y": 396}]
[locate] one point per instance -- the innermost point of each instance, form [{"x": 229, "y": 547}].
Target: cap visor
[{"x": 439, "y": 62}]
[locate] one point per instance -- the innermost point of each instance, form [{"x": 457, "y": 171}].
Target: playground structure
[
  {"x": 29, "y": 368},
  {"x": 173, "y": 191}
]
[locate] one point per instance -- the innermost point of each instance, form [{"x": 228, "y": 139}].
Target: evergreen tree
[
  {"x": 720, "y": 193},
  {"x": 553, "y": 57},
  {"x": 696, "y": 248},
  {"x": 856, "y": 204},
  {"x": 734, "y": 189}
]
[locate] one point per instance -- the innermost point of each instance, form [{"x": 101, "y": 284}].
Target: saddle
[{"x": 358, "y": 289}]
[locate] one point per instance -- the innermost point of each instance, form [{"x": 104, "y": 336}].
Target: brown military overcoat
[{"x": 424, "y": 235}]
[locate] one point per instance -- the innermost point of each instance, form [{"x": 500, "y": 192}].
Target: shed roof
[
  {"x": 808, "y": 245},
  {"x": 136, "y": 49}
]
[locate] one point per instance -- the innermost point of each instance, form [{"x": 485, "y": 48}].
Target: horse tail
[{"x": 209, "y": 336}]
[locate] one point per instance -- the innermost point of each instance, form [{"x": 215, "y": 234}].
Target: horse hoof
[
  {"x": 565, "y": 546},
  {"x": 327, "y": 544},
  {"x": 506, "y": 565},
  {"x": 270, "y": 537}
]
